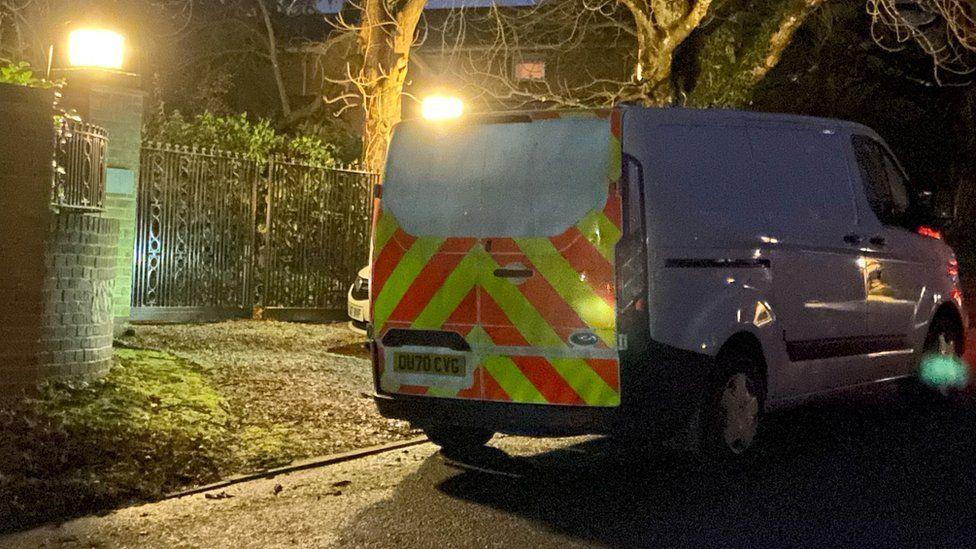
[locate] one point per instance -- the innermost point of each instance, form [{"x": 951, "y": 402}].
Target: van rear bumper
[
  {"x": 500, "y": 417},
  {"x": 662, "y": 388}
]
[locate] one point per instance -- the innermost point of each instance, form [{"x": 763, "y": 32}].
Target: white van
[{"x": 650, "y": 270}]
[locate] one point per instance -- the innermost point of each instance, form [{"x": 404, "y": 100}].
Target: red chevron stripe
[
  {"x": 475, "y": 390},
  {"x": 428, "y": 281},
  {"x": 587, "y": 260},
  {"x": 566, "y": 238},
  {"x": 388, "y": 259},
  {"x": 615, "y": 123},
  {"x": 504, "y": 246},
  {"x": 550, "y": 384},
  {"x": 608, "y": 369},
  {"x": 492, "y": 390},
  {"x": 464, "y": 315},
  {"x": 457, "y": 245},
  {"x": 537, "y": 370}
]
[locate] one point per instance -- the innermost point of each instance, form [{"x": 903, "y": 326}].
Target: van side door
[
  {"x": 892, "y": 260},
  {"x": 817, "y": 276}
]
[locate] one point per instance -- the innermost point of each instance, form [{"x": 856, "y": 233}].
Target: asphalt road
[{"x": 862, "y": 469}]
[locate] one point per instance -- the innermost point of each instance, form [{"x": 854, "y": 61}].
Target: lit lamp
[
  {"x": 96, "y": 65},
  {"x": 96, "y": 48},
  {"x": 441, "y": 107}
]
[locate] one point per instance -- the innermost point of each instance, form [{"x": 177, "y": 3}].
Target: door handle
[
  {"x": 852, "y": 238},
  {"x": 877, "y": 240},
  {"x": 513, "y": 273}
]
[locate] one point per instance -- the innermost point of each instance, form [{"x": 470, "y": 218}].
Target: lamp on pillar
[
  {"x": 95, "y": 63},
  {"x": 96, "y": 48}
]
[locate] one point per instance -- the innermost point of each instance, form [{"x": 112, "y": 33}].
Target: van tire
[
  {"x": 945, "y": 336},
  {"x": 453, "y": 438},
  {"x": 733, "y": 406}
]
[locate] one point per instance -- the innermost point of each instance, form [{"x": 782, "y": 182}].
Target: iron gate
[{"x": 222, "y": 236}]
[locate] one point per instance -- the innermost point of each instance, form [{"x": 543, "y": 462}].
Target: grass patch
[{"x": 155, "y": 423}]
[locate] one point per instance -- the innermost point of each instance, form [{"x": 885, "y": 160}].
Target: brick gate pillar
[{"x": 114, "y": 100}]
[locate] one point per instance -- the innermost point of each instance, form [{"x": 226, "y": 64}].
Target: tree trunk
[
  {"x": 273, "y": 54},
  {"x": 661, "y": 27},
  {"x": 385, "y": 40},
  {"x": 383, "y": 110},
  {"x": 737, "y": 53},
  {"x": 654, "y": 73}
]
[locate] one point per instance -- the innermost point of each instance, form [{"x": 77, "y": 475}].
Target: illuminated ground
[
  {"x": 312, "y": 378},
  {"x": 863, "y": 469}
]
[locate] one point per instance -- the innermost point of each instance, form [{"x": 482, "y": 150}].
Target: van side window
[{"x": 884, "y": 183}]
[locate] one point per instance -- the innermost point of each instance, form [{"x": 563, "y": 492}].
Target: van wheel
[
  {"x": 733, "y": 408},
  {"x": 939, "y": 375},
  {"x": 452, "y": 438}
]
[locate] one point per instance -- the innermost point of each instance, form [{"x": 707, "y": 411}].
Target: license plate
[
  {"x": 356, "y": 313},
  {"x": 430, "y": 364}
]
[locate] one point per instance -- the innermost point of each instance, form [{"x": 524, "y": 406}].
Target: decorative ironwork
[
  {"x": 80, "y": 155},
  {"x": 218, "y": 235}
]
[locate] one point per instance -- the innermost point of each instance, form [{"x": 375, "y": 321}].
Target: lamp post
[
  {"x": 96, "y": 48},
  {"x": 441, "y": 107},
  {"x": 95, "y": 63}
]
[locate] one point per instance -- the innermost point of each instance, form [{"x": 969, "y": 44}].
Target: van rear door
[{"x": 503, "y": 238}]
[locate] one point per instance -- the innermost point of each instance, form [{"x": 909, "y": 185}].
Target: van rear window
[{"x": 496, "y": 180}]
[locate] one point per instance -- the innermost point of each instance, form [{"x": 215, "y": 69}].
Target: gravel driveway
[{"x": 313, "y": 380}]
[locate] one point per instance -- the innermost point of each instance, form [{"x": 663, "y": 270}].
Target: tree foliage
[
  {"x": 21, "y": 74},
  {"x": 701, "y": 53},
  {"x": 254, "y": 139}
]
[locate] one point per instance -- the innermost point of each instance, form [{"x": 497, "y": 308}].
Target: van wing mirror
[{"x": 936, "y": 209}]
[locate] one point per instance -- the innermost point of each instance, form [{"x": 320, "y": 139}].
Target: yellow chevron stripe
[
  {"x": 616, "y": 159},
  {"x": 386, "y": 225},
  {"x": 508, "y": 375},
  {"x": 456, "y": 286},
  {"x": 407, "y": 269},
  {"x": 601, "y": 232},
  {"x": 591, "y": 308},
  {"x": 538, "y": 333},
  {"x": 475, "y": 270}
]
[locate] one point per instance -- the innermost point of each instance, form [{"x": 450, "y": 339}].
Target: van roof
[{"x": 678, "y": 115}]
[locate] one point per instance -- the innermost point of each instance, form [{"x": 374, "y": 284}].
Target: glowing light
[
  {"x": 762, "y": 315},
  {"x": 952, "y": 268},
  {"x": 944, "y": 372},
  {"x": 929, "y": 232},
  {"x": 956, "y": 295},
  {"x": 98, "y": 48},
  {"x": 440, "y": 107}
]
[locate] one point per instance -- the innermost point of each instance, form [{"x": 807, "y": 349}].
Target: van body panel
[
  {"x": 752, "y": 223},
  {"x": 527, "y": 283},
  {"x": 695, "y": 170}
]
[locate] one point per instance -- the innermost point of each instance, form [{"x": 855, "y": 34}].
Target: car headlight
[{"x": 360, "y": 288}]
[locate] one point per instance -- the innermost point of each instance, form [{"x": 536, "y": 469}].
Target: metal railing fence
[
  {"x": 80, "y": 156},
  {"x": 221, "y": 235}
]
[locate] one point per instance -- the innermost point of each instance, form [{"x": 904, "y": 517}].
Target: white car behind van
[{"x": 357, "y": 305}]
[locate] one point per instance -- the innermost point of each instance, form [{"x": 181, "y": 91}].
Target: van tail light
[
  {"x": 956, "y": 296},
  {"x": 925, "y": 230},
  {"x": 952, "y": 268}
]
